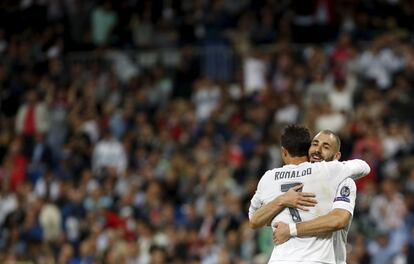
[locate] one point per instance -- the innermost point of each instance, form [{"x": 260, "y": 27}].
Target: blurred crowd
[{"x": 104, "y": 164}]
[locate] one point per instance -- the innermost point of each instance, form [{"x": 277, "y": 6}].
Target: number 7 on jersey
[{"x": 293, "y": 211}]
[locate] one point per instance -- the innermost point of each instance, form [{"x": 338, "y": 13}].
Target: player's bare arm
[
  {"x": 292, "y": 198},
  {"x": 335, "y": 220}
]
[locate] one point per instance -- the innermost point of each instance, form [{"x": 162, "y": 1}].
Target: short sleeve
[
  {"x": 342, "y": 170},
  {"x": 345, "y": 196},
  {"x": 257, "y": 201},
  {"x": 255, "y": 204}
]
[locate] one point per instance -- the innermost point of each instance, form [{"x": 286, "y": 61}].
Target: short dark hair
[{"x": 296, "y": 140}]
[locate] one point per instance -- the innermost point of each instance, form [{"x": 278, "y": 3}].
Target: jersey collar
[{"x": 287, "y": 166}]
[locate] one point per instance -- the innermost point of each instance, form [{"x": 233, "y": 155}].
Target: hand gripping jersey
[{"x": 323, "y": 179}]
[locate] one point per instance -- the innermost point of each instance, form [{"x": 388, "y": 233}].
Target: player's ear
[
  {"x": 284, "y": 152},
  {"x": 337, "y": 155}
]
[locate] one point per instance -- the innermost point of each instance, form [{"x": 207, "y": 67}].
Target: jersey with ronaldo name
[{"x": 323, "y": 179}]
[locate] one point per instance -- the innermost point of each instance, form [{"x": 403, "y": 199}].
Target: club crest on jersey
[{"x": 345, "y": 191}]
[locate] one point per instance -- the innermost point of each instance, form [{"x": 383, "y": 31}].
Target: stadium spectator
[
  {"x": 109, "y": 154},
  {"x": 186, "y": 124},
  {"x": 103, "y": 19}
]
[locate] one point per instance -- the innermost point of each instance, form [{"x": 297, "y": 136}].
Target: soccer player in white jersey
[
  {"x": 312, "y": 177},
  {"x": 326, "y": 146}
]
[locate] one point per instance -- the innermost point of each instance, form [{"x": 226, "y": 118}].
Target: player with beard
[{"x": 325, "y": 146}]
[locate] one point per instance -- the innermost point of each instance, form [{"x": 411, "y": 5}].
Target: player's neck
[{"x": 296, "y": 160}]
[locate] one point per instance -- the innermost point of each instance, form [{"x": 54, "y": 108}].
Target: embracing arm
[
  {"x": 266, "y": 213},
  {"x": 338, "y": 218},
  {"x": 353, "y": 169},
  {"x": 333, "y": 221},
  {"x": 292, "y": 198}
]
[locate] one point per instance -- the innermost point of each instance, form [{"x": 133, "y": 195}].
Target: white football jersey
[
  {"x": 323, "y": 179},
  {"x": 344, "y": 199}
]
